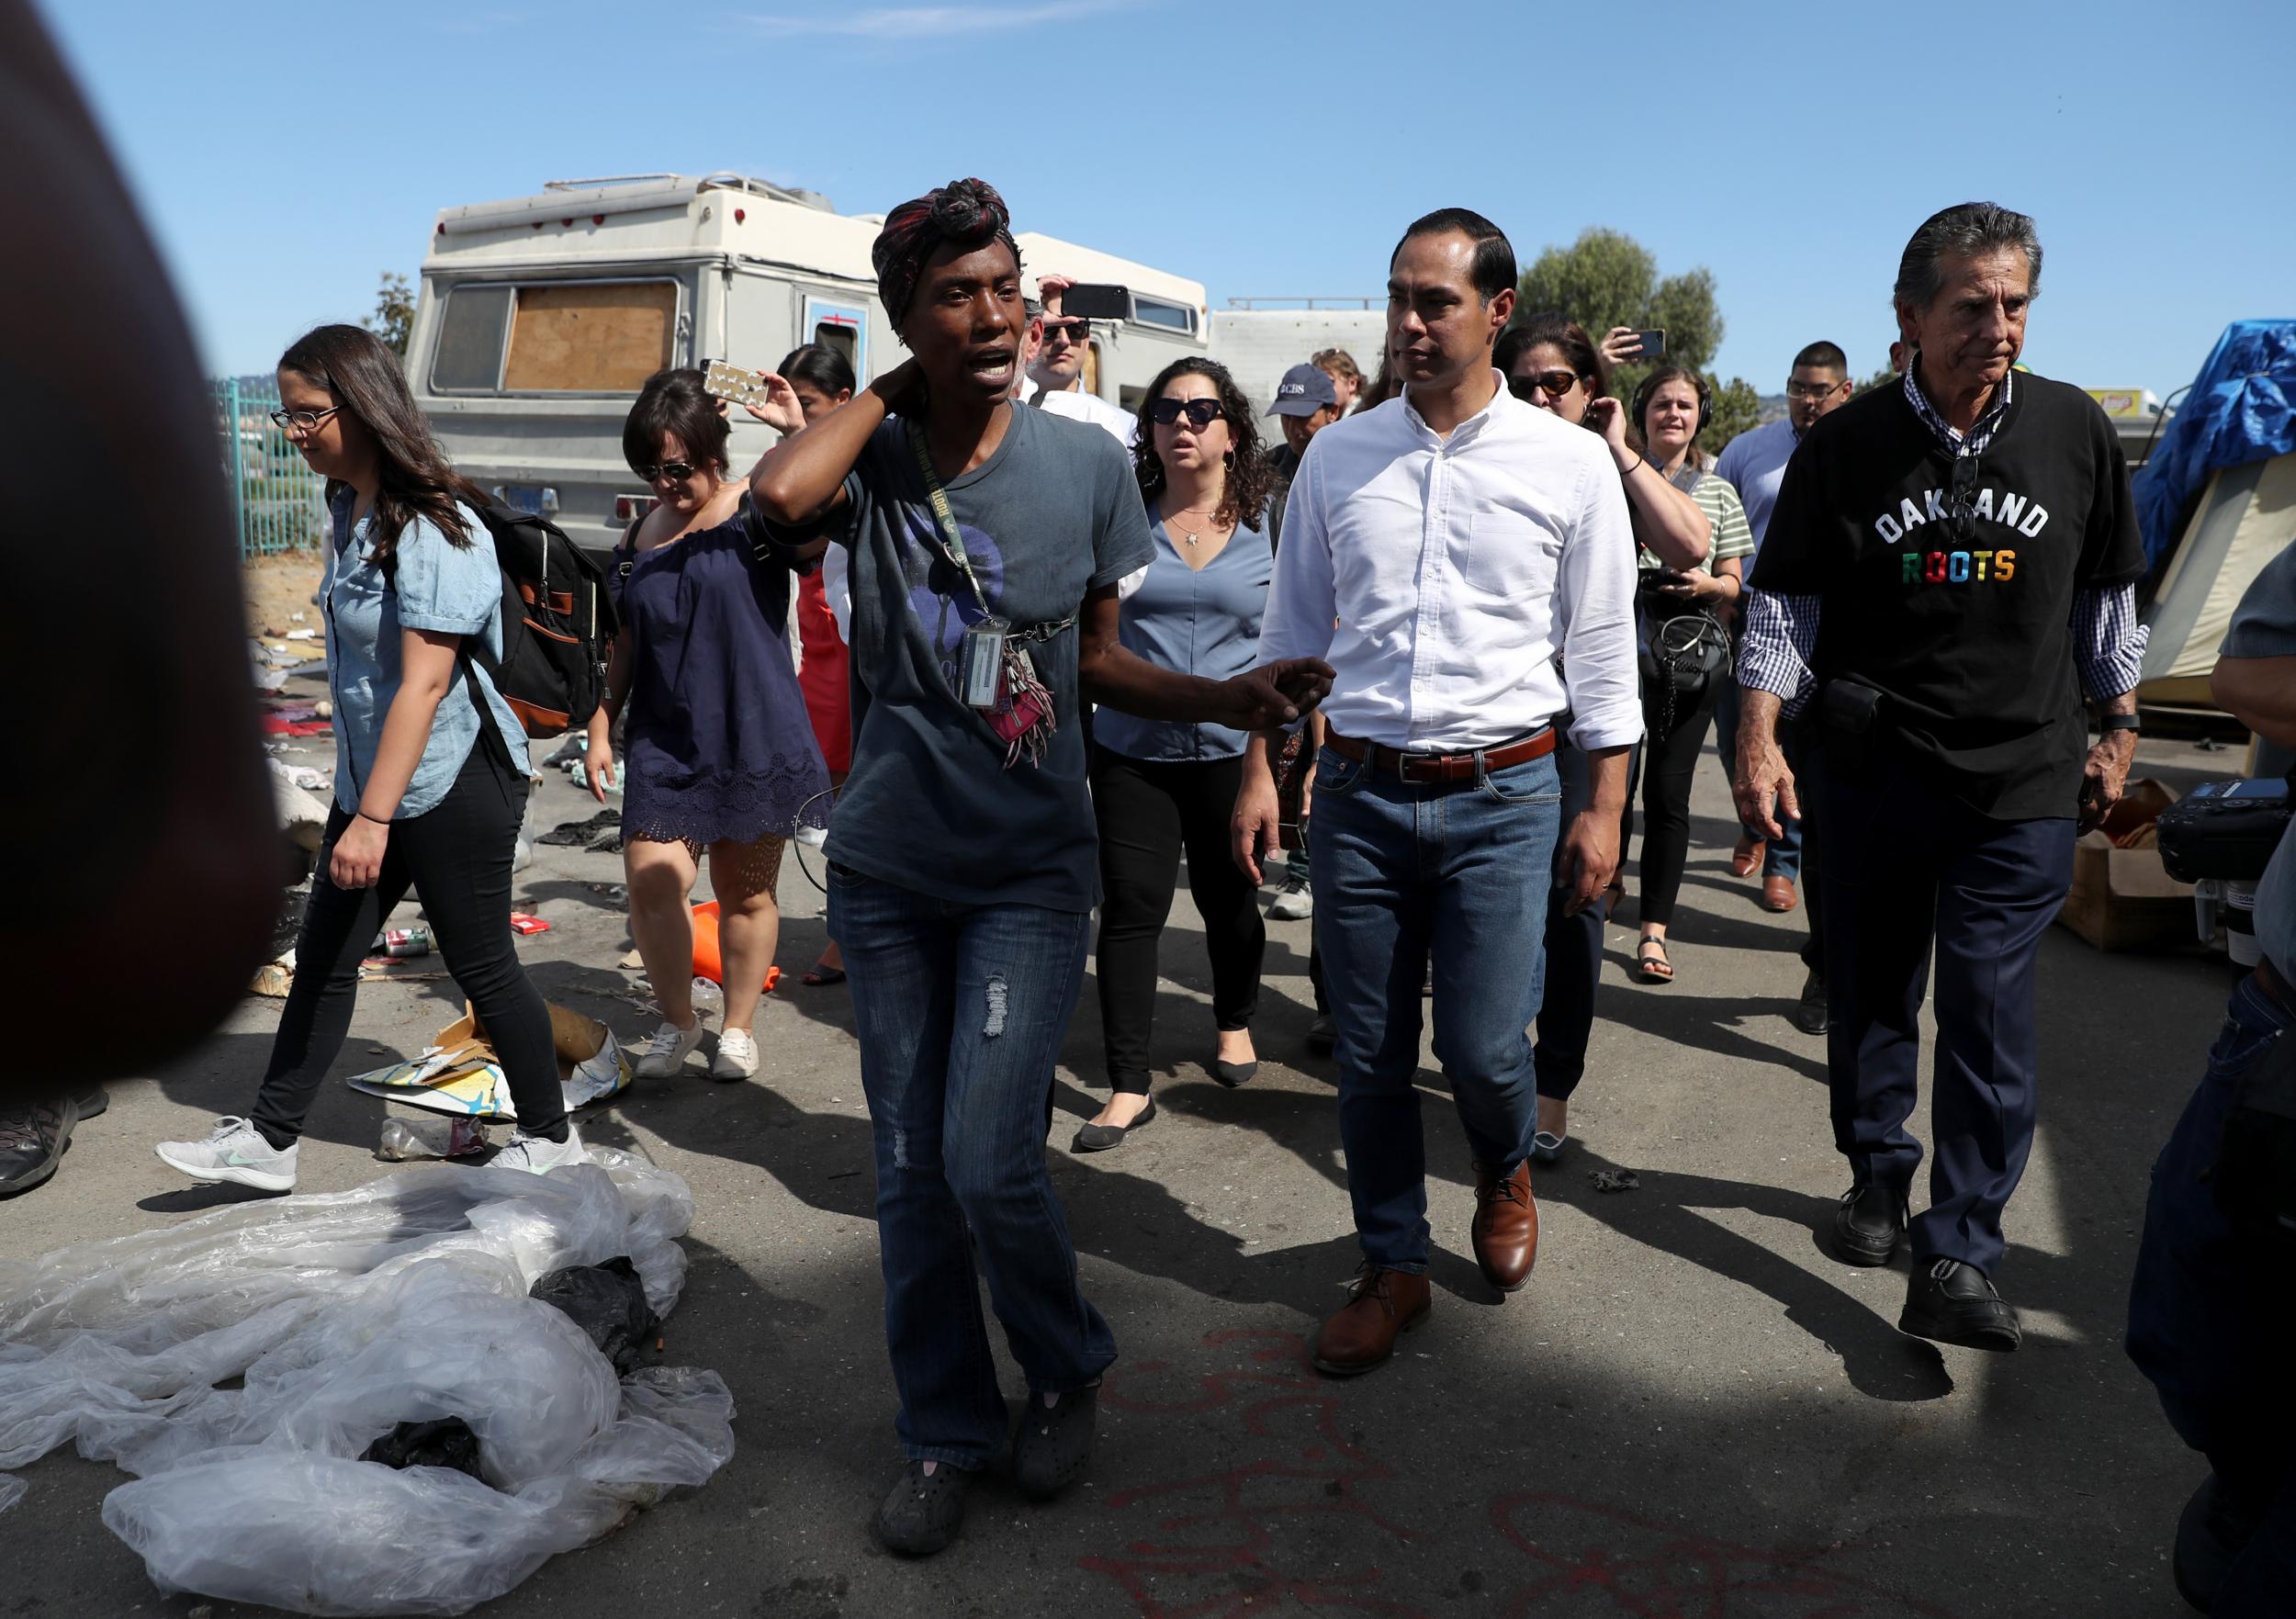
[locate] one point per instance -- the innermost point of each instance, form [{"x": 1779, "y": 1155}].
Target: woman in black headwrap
[{"x": 986, "y": 543}]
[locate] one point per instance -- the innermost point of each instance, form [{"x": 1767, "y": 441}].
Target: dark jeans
[
  {"x": 1402, "y": 872},
  {"x": 1574, "y": 953},
  {"x": 1671, "y": 746},
  {"x": 960, "y": 1010},
  {"x": 2210, "y": 1319},
  {"x": 1148, "y": 813},
  {"x": 456, "y": 857},
  {"x": 1906, "y": 865},
  {"x": 1798, "y": 741}
]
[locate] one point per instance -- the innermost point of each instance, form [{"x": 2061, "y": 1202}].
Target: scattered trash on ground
[
  {"x": 446, "y": 1442},
  {"x": 431, "y": 1138},
  {"x": 611, "y": 890},
  {"x": 401, "y": 941},
  {"x": 610, "y": 844},
  {"x": 302, "y": 634},
  {"x": 275, "y": 978},
  {"x": 1615, "y": 1180},
  {"x": 457, "y": 1073},
  {"x": 302, "y": 776},
  {"x": 608, "y": 1302},
  {"x": 242, "y": 1363},
  {"x": 573, "y": 832},
  {"x": 527, "y": 923},
  {"x": 631, "y": 959}
]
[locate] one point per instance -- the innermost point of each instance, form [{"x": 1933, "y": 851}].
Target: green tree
[
  {"x": 394, "y": 312},
  {"x": 1606, "y": 279},
  {"x": 1881, "y": 378}
]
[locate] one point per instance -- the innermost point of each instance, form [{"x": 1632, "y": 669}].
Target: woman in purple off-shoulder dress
[{"x": 719, "y": 755}]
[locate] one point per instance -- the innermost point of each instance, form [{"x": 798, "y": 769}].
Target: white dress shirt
[
  {"x": 1441, "y": 578},
  {"x": 1079, "y": 406}
]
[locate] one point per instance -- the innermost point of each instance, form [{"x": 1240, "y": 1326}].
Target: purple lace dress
[{"x": 719, "y": 748}]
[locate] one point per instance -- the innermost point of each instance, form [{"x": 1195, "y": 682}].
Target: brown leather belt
[{"x": 1441, "y": 766}]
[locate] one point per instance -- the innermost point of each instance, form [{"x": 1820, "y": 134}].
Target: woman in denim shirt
[
  {"x": 1159, "y": 786},
  {"x": 430, "y": 764}
]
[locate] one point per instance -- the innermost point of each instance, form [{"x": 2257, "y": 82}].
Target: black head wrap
[{"x": 967, "y": 213}]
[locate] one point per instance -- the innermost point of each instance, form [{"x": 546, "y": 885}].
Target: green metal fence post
[{"x": 238, "y": 462}]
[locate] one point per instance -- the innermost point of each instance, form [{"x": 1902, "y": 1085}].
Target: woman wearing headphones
[{"x": 1684, "y": 614}]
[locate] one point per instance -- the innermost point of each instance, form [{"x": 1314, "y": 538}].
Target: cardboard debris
[
  {"x": 457, "y": 1073},
  {"x": 2122, "y": 897}
]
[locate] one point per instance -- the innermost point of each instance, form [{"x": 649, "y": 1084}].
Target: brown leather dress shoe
[
  {"x": 1506, "y": 1226},
  {"x": 1384, "y": 1306},
  {"x": 1746, "y": 858},
  {"x": 1777, "y": 894}
]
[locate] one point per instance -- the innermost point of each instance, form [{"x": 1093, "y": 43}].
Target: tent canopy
[{"x": 2242, "y": 408}]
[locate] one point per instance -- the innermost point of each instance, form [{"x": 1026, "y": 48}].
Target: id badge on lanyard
[{"x": 981, "y": 663}]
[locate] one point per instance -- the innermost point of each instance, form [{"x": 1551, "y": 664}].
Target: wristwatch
[{"x": 2119, "y": 722}]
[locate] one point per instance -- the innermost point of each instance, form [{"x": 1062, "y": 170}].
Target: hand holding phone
[{"x": 1652, "y": 344}]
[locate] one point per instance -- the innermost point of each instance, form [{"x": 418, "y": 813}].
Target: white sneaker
[
  {"x": 737, "y": 1055},
  {"x": 667, "y": 1052},
  {"x": 539, "y": 1154},
  {"x": 233, "y": 1151},
  {"x": 1297, "y": 902}
]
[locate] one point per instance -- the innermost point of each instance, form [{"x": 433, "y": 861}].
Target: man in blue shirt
[{"x": 1754, "y": 465}]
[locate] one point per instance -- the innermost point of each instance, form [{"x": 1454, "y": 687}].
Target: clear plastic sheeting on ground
[{"x": 344, "y": 1316}]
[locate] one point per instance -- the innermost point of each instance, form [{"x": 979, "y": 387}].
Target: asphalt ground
[{"x": 1692, "y": 1410}]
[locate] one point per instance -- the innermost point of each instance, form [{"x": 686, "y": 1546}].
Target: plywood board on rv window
[{"x": 589, "y": 338}]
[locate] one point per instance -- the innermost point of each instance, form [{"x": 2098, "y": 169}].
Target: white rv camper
[{"x": 539, "y": 318}]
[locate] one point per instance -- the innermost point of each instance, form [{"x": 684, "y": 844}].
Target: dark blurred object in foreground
[{"x": 137, "y": 815}]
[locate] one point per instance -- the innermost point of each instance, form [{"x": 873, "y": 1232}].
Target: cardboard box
[
  {"x": 2122, "y": 897},
  {"x": 457, "y": 1073}
]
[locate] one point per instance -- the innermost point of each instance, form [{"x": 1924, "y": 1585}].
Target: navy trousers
[{"x": 1906, "y": 867}]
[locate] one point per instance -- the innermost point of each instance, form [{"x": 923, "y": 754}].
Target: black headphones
[{"x": 1705, "y": 399}]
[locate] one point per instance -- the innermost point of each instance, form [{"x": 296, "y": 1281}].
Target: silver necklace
[{"x": 1171, "y": 519}]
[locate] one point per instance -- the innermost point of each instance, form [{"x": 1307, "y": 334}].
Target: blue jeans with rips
[
  {"x": 1460, "y": 872},
  {"x": 2209, "y": 1318},
  {"x": 961, "y": 1011}
]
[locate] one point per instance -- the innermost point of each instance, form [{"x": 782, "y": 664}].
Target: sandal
[
  {"x": 1653, "y": 969},
  {"x": 820, "y": 977}
]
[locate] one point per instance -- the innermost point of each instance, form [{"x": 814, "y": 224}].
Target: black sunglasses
[
  {"x": 1075, "y": 330},
  {"x": 679, "y": 471},
  {"x": 1555, "y": 383},
  {"x": 1200, "y": 413},
  {"x": 1962, "y": 506}
]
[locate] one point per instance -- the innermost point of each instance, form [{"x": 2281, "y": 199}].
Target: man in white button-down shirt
[{"x": 1464, "y": 561}]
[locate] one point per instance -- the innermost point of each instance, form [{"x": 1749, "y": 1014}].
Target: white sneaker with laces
[
  {"x": 737, "y": 1055},
  {"x": 539, "y": 1154},
  {"x": 233, "y": 1151},
  {"x": 1296, "y": 902},
  {"x": 667, "y": 1050}
]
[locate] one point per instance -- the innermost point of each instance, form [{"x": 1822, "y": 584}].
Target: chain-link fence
[{"x": 277, "y": 501}]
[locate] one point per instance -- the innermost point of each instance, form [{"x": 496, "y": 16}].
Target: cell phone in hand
[{"x": 1653, "y": 343}]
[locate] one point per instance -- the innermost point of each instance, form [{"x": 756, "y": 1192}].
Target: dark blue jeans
[
  {"x": 1906, "y": 866},
  {"x": 1573, "y": 952},
  {"x": 1781, "y": 855},
  {"x": 962, "y": 1011},
  {"x": 1460, "y": 872},
  {"x": 2210, "y": 1317}
]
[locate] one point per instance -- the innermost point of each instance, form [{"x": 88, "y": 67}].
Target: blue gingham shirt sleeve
[
  {"x": 2108, "y": 642},
  {"x": 1781, "y": 638}
]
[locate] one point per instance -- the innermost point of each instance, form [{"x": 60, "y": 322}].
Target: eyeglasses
[
  {"x": 302, "y": 421},
  {"x": 1075, "y": 331},
  {"x": 1200, "y": 413},
  {"x": 1960, "y": 509},
  {"x": 1555, "y": 383},
  {"x": 1811, "y": 391},
  {"x": 676, "y": 471}
]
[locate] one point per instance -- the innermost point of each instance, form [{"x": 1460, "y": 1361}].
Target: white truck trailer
[{"x": 539, "y": 318}]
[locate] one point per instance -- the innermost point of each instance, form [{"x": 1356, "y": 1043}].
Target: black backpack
[{"x": 558, "y": 624}]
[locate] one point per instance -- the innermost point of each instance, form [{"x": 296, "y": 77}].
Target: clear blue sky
[{"x": 286, "y": 155}]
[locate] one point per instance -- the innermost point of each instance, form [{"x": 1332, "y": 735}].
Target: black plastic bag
[
  {"x": 608, "y": 1302},
  {"x": 446, "y": 1442}
]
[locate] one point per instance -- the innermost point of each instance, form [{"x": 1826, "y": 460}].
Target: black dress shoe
[
  {"x": 1810, "y": 1012},
  {"x": 1099, "y": 1138},
  {"x": 924, "y": 1511},
  {"x": 91, "y": 1102},
  {"x": 1323, "y": 1035},
  {"x": 1950, "y": 1302},
  {"x": 1232, "y": 1074},
  {"x": 33, "y": 1136},
  {"x": 2210, "y": 1533},
  {"x": 1054, "y": 1445},
  {"x": 1868, "y": 1224}
]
